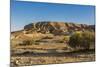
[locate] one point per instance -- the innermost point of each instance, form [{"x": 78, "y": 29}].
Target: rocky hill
[{"x": 57, "y": 27}]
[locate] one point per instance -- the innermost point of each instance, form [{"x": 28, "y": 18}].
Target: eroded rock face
[{"x": 56, "y": 27}]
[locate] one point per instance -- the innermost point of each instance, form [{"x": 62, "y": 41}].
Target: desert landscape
[{"x": 49, "y": 42}]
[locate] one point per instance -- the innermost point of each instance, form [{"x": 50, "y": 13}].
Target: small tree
[{"x": 82, "y": 40}]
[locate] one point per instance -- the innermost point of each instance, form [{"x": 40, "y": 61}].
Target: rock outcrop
[{"x": 56, "y": 27}]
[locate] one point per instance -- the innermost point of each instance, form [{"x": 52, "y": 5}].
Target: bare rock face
[{"x": 56, "y": 27}]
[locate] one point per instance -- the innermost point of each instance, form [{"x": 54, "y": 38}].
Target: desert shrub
[
  {"x": 36, "y": 43},
  {"x": 48, "y": 37},
  {"x": 82, "y": 40},
  {"x": 66, "y": 39},
  {"x": 25, "y": 42},
  {"x": 63, "y": 39},
  {"x": 28, "y": 42},
  {"x": 60, "y": 41}
]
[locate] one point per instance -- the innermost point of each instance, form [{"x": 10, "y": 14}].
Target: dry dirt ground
[{"x": 47, "y": 51}]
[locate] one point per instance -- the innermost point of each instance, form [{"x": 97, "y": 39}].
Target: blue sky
[{"x": 23, "y": 13}]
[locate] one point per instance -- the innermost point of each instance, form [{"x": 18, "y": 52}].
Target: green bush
[
  {"x": 66, "y": 39},
  {"x": 82, "y": 40}
]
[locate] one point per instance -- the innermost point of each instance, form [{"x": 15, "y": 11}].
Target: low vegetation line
[{"x": 91, "y": 51}]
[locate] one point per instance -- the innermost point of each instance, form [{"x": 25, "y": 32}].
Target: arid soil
[{"x": 37, "y": 45}]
